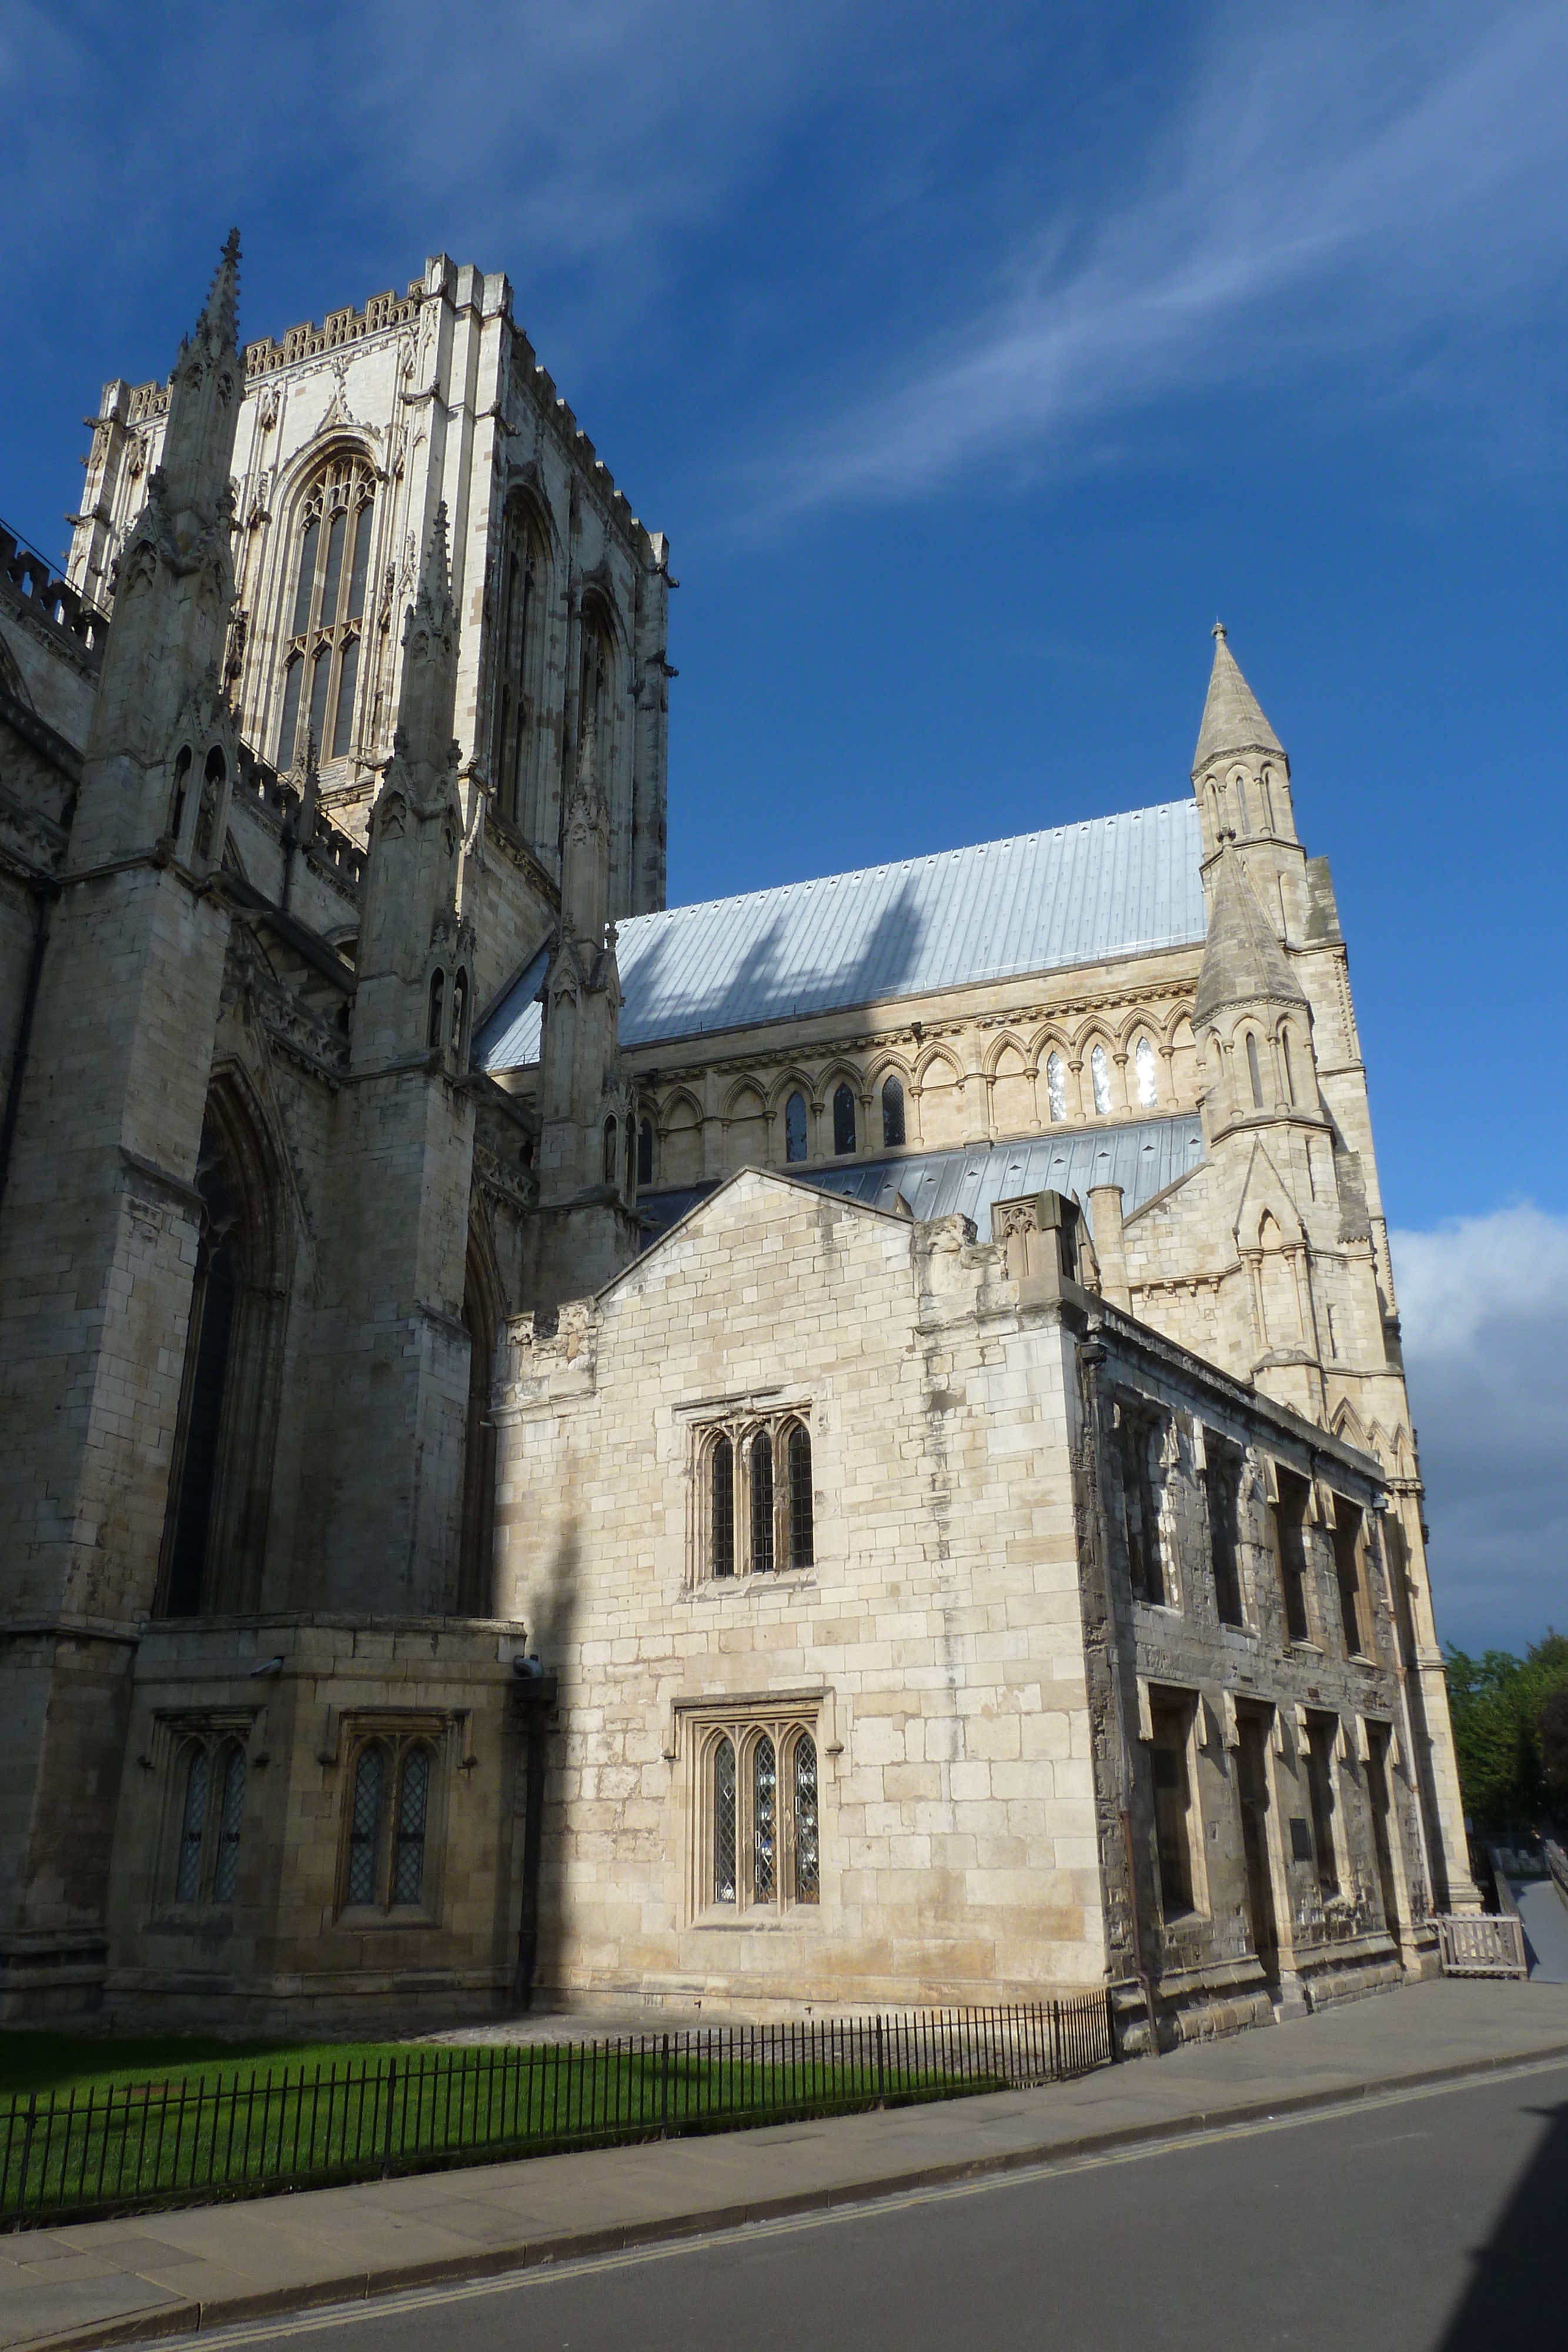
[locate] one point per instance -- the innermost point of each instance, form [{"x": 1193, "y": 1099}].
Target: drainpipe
[{"x": 45, "y": 892}]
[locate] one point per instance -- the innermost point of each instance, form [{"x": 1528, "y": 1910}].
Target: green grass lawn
[{"x": 32, "y": 2059}]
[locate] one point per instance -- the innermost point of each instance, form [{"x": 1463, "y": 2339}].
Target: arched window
[
  {"x": 610, "y": 1141},
  {"x": 721, "y": 1489},
  {"x": 1267, "y": 790},
  {"x": 364, "y": 1822},
  {"x": 229, "y": 1821},
  {"x": 193, "y": 1825},
  {"x": 644, "y": 1151},
  {"x": 808, "y": 1864},
  {"x": 1100, "y": 1078},
  {"x": 724, "y": 1821},
  {"x": 408, "y": 1841},
  {"x": 799, "y": 1458},
  {"x": 177, "y": 798},
  {"x": 326, "y": 612},
  {"x": 1238, "y": 784},
  {"x": 764, "y": 1820},
  {"x": 843, "y": 1117},
  {"x": 1148, "y": 1083},
  {"x": 519, "y": 673},
  {"x": 795, "y": 1128},
  {"x": 892, "y": 1115},
  {"x": 761, "y": 1462},
  {"x": 1056, "y": 1086},
  {"x": 1285, "y": 1058},
  {"x": 1254, "y": 1072},
  {"x": 459, "y": 1007},
  {"x": 437, "y": 1022},
  {"x": 214, "y": 777}
]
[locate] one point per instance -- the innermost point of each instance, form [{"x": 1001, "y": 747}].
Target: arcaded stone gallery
[{"x": 841, "y": 1448}]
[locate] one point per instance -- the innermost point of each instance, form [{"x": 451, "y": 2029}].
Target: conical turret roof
[
  {"x": 1231, "y": 719},
  {"x": 1243, "y": 962}
]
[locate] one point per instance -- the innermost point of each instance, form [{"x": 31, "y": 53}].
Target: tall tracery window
[
  {"x": 326, "y": 613},
  {"x": 757, "y": 1826},
  {"x": 843, "y": 1117},
  {"x": 387, "y": 1813},
  {"x": 518, "y": 667},
  {"x": 210, "y": 1775},
  {"x": 1145, "y": 1065},
  {"x": 1056, "y": 1086},
  {"x": 758, "y": 1480},
  {"x": 1100, "y": 1078},
  {"x": 892, "y": 1115},
  {"x": 795, "y": 1128}
]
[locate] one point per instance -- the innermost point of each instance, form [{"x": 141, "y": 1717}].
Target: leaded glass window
[
  {"x": 724, "y": 1821},
  {"x": 326, "y": 608},
  {"x": 1148, "y": 1083},
  {"x": 761, "y": 1503},
  {"x": 722, "y": 1490},
  {"x": 808, "y": 1869},
  {"x": 192, "y": 1826},
  {"x": 795, "y": 1128},
  {"x": 1056, "y": 1086},
  {"x": 408, "y": 1849},
  {"x": 892, "y": 1115},
  {"x": 843, "y": 1119},
  {"x": 229, "y": 1821},
  {"x": 764, "y": 1819},
  {"x": 1100, "y": 1078},
  {"x": 364, "y": 1825},
  {"x": 800, "y": 1465}
]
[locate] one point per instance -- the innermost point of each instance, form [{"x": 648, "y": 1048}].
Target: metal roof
[
  {"x": 1113, "y": 885},
  {"x": 1143, "y": 1157}
]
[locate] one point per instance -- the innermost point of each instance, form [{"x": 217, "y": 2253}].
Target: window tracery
[
  {"x": 755, "y": 1481},
  {"x": 210, "y": 1773},
  {"x": 326, "y": 625},
  {"x": 386, "y": 1824}
]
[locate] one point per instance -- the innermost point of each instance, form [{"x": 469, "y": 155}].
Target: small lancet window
[
  {"x": 459, "y": 1007},
  {"x": 177, "y": 810},
  {"x": 1285, "y": 1059},
  {"x": 722, "y": 1493},
  {"x": 408, "y": 1842},
  {"x": 1254, "y": 1071},
  {"x": 610, "y": 1142},
  {"x": 644, "y": 1151},
  {"x": 363, "y": 1823},
  {"x": 892, "y": 1115},
  {"x": 1268, "y": 791},
  {"x": 764, "y": 1820},
  {"x": 229, "y": 1821},
  {"x": 1100, "y": 1076},
  {"x": 1148, "y": 1084},
  {"x": 192, "y": 1823},
  {"x": 843, "y": 1119},
  {"x": 795, "y": 1128},
  {"x": 808, "y": 1864},
  {"x": 724, "y": 1821},
  {"x": 1056, "y": 1086},
  {"x": 436, "y": 1025},
  {"x": 799, "y": 1467},
  {"x": 761, "y": 1503}
]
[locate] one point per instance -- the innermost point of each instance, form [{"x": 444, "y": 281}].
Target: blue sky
[{"x": 975, "y": 359}]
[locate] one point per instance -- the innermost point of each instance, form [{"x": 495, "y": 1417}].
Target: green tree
[{"x": 1496, "y": 1701}]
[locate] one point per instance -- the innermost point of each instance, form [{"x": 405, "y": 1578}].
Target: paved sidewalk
[{"x": 170, "y": 2275}]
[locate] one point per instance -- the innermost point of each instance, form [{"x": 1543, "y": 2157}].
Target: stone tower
[{"x": 102, "y": 1217}]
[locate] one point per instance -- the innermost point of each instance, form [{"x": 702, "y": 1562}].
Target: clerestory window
[
  {"x": 795, "y": 1128},
  {"x": 756, "y": 1485},
  {"x": 757, "y": 1826},
  {"x": 209, "y": 1778},
  {"x": 1149, "y": 1081},
  {"x": 325, "y": 615},
  {"x": 843, "y": 1119},
  {"x": 892, "y": 1115},
  {"x": 1100, "y": 1078},
  {"x": 1056, "y": 1086}
]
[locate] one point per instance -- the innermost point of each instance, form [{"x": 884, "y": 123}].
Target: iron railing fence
[{"x": 132, "y": 2148}]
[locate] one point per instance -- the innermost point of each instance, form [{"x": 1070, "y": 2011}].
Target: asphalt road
[{"x": 1432, "y": 2221}]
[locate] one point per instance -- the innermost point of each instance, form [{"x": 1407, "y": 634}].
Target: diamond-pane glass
[
  {"x": 723, "y": 1508},
  {"x": 362, "y": 1827},
  {"x": 808, "y": 1869},
  {"x": 413, "y": 1800},
  {"x": 723, "y": 1821},
  {"x": 229, "y": 1825},
  {"x": 761, "y": 1503},
  {"x": 763, "y": 1820},
  {"x": 800, "y": 1534},
  {"x": 188, "y": 1874}
]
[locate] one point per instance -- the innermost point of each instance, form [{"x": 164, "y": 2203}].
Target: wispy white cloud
[
  {"x": 1483, "y": 1308},
  {"x": 1335, "y": 181}
]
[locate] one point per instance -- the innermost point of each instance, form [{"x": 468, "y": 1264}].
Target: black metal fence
[{"x": 254, "y": 2132}]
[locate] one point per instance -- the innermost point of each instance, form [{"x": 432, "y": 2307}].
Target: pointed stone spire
[
  {"x": 1231, "y": 719},
  {"x": 205, "y": 388},
  {"x": 1243, "y": 962}
]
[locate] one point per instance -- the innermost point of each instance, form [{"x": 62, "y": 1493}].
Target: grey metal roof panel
[
  {"x": 1110, "y": 886},
  {"x": 1143, "y": 1157}
]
